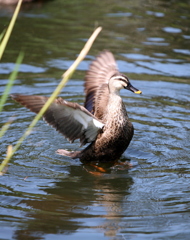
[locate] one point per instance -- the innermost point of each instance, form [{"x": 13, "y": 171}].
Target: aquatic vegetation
[{"x": 66, "y": 76}]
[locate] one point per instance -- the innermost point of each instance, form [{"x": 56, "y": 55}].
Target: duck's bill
[{"x": 133, "y": 89}]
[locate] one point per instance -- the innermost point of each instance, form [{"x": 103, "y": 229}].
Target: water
[{"x": 47, "y": 196}]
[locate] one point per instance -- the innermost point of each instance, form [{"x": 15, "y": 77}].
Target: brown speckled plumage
[{"x": 103, "y": 121}]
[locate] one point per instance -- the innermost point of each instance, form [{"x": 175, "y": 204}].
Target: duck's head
[{"x": 120, "y": 81}]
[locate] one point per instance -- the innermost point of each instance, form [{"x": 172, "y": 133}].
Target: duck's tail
[{"x": 72, "y": 154}]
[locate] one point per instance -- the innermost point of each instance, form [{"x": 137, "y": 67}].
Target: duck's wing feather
[
  {"x": 96, "y": 82},
  {"x": 70, "y": 119}
]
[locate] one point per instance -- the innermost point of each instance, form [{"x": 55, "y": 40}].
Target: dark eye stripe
[{"x": 121, "y": 78}]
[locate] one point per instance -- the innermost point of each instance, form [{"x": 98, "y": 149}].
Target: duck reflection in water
[
  {"x": 76, "y": 204},
  {"x": 103, "y": 121}
]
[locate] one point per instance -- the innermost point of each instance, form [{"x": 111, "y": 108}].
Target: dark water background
[{"x": 59, "y": 199}]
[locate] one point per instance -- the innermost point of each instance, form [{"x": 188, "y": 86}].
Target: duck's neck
[
  {"x": 115, "y": 100},
  {"x": 116, "y": 108}
]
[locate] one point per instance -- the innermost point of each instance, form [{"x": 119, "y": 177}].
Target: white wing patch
[
  {"x": 81, "y": 117},
  {"x": 90, "y": 126},
  {"x": 97, "y": 123}
]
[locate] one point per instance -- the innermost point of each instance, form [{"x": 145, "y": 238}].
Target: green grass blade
[
  {"x": 5, "y": 127},
  {"x": 9, "y": 29},
  {"x": 11, "y": 81},
  {"x": 2, "y": 35},
  {"x": 4, "y": 164}
]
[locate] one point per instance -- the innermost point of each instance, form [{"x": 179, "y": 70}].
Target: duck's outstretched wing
[
  {"x": 68, "y": 118},
  {"x": 96, "y": 83}
]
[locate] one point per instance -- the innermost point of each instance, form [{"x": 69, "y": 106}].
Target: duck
[{"x": 102, "y": 122}]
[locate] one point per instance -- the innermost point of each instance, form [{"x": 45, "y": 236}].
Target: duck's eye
[{"x": 124, "y": 81}]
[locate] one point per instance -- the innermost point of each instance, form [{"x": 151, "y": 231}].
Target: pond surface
[{"x": 47, "y": 196}]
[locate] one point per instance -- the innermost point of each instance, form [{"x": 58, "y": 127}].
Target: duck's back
[{"x": 96, "y": 83}]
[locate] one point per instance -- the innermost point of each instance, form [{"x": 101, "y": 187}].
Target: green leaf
[
  {"x": 9, "y": 29},
  {"x": 11, "y": 80}
]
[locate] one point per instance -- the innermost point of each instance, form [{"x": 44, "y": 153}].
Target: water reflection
[{"x": 79, "y": 201}]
